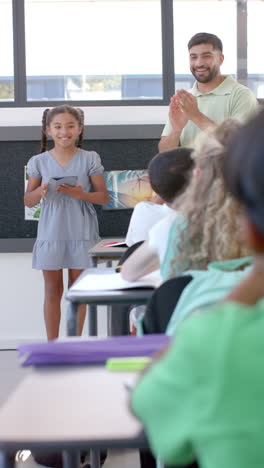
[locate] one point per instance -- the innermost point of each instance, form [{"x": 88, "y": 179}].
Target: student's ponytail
[{"x": 43, "y": 143}]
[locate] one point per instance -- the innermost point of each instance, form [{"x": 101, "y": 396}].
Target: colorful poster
[
  {"x": 31, "y": 214},
  {"x": 126, "y": 188}
]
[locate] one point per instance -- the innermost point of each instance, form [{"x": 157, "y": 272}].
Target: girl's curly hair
[{"x": 212, "y": 232}]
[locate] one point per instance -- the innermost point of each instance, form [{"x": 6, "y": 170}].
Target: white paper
[{"x": 106, "y": 282}]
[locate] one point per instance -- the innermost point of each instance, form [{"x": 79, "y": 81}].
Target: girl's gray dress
[{"x": 68, "y": 227}]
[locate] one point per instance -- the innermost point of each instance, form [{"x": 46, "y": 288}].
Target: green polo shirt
[
  {"x": 204, "y": 399},
  {"x": 229, "y": 100}
]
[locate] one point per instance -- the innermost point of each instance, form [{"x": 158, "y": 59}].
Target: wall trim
[
  {"x": 16, "y": 245},
  {"x": 91, "y": 132}
]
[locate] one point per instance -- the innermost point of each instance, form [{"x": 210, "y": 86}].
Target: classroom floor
[{"x": 11, "y": 374}]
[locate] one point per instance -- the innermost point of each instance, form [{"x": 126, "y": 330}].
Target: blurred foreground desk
[
  {"x": 123, "y": 297},
  {"x": 69, "y": 409},
  {"x": 108, "y": 254}
]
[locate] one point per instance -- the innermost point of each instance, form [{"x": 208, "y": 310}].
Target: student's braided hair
[{"x": 48, "y": 115}]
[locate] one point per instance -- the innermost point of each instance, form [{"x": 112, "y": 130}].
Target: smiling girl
[{"x": 63, "y": 178}]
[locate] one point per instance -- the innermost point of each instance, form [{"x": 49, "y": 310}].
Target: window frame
[
  {"x": 168, "y": 70},
  {"x": 20, "y": 80}
]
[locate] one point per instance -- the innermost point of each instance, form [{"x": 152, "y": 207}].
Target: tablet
[{"x": 69, "y": 180}]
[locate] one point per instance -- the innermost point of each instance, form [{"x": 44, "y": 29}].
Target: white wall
[
  {"x": 21, "y": 302},
  {"x": 115, "y": 115}
]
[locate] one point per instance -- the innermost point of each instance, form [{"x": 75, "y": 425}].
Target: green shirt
[
  {"x": 177, "y": 235},
  {"x": 208, "y": 287},
  {"x": 205, "y": 399},
  {"x": 229, "y": 100}
]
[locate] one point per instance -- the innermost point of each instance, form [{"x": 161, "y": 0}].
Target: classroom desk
[
  {"x": 69, "y": 409},
  {"x": 98, "y": 252},
  {"x": 125, "y": 297},
  {"x": 107, "y": 254}
]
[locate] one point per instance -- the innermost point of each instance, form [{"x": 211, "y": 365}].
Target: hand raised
[
  {"x": 188, "y": 103},
  {"x": 177, "y": 115}
]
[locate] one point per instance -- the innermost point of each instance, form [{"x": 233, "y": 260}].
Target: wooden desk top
[{"x": 68, "y": 407}]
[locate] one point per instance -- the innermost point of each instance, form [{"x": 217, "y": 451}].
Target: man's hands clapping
[{"x": 183, "y": 107}]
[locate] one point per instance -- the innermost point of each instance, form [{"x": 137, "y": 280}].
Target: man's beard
[{"x": 206, "y": 79}]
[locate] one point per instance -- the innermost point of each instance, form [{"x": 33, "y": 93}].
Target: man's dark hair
[
  {"x": 206, "y": 38},
  {"x": 169, "y": 172}
]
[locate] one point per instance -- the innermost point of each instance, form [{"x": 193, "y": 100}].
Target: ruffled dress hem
[{"x": 55, "y": 255}]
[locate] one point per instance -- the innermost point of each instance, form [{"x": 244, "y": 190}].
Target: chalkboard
[{"x": 115, "y": 155}]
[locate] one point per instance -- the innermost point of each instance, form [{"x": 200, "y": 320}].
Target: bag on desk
[{"x": 90, "y": 351}]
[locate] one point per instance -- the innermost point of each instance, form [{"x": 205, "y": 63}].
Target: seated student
[
  {"x": 167, "y": 175},
  {"x": 212, "y": 234},
  {"x": 189, "y": 291},
  {"x": 203, "y": 399},
  {"x": 206, "y": 226},
  {"x": 144, "y": 216},
  {"x": 214, "y": 255}
]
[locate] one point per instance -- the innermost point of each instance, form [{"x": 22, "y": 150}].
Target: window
[
  {"x": 119, "y": 52},
  {"x": 93, "y": 50},
  {"x": 6, "y": 52},
  {"x": 203, "y": 16},
  {"x": 255, "y": 41}
]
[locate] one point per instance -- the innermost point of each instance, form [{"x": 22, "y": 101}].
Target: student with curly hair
[
  {"x": 203, "y": 399},
  {"x": 209, "y": 229},
  {"x": 206, "y": 227}
]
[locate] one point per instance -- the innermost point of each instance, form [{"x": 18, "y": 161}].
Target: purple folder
[{"x": 90, "y": 352}]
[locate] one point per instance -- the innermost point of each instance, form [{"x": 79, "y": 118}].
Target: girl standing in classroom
[{"x": 63, "y": 178}]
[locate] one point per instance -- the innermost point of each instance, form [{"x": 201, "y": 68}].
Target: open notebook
[{"x": 109, "y": 282}]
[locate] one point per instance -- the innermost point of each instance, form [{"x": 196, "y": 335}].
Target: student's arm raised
[{"x": 142, "y": 262}]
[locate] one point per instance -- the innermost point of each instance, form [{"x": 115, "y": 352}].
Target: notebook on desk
[{"x": 113, "y": 281}]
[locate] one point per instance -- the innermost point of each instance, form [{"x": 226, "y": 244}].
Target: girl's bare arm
[{"x": 35, "y": 191}]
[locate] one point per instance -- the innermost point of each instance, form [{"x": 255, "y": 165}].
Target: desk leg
[
  {"x": 94, "y": 262},
  {"x": 95, "y": 458},
  {"x": 109, "y": 320},
  {"x": 118, "y": 320},
  {"x": 72, "y": 319},
  {"x": 6, "y": 460},
  {"x": 71, "y": 459},
  {"x": 108, "y": 263},
  {"x": 92, "y": 320}
]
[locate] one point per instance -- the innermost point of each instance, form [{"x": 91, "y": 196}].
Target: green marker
[{"x": 127, "y": 363}]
